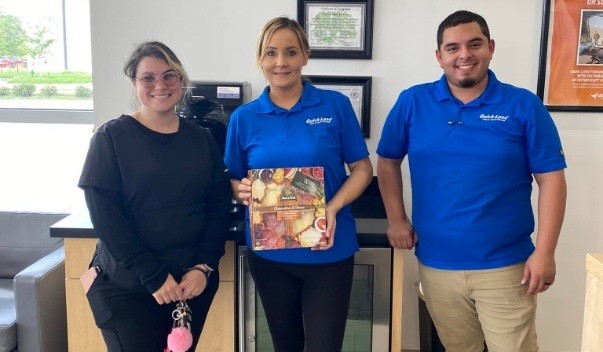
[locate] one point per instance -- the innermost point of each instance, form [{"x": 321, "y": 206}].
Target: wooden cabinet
[
  {"x": 592, "y": 329},
  {"x": 83, "y": 335},
  {"x": 397, "y": 295},
  {"x": 219, "y": 331}
]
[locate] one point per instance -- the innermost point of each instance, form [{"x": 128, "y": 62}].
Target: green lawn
[
  {"x": 49, "y": 85},
  {"x": 40, "y": 97},
  {"x": 23, "y": 77}
]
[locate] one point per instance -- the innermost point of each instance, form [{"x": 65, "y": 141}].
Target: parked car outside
[{"x": 6, "y": 62}]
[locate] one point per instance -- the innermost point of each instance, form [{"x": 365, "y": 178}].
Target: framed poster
[
  {"x": 340, "y": 29},
  {"x": 570, "y": 77},
  {"x": 357, "y": 89}
]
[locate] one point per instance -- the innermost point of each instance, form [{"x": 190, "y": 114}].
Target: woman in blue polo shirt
[{"x": 305, "y": 291}]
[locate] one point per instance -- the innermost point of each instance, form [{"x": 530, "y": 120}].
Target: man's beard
[{"x": 467, "y": 82}]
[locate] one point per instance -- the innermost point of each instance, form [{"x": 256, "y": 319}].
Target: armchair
[
  {"x": 32, "y": 284},
  {"x": 40, "y": 305}
]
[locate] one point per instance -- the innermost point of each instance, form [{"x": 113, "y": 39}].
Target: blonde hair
[{"x": 274, "y": 25}]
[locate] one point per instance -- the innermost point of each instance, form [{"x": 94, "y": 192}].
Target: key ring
[
  {"x": 180, "y": 339},
  {"x": 182, "y": 315}
]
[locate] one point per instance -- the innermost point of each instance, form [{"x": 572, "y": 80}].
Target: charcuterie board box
[{"x": 287, "y": 208}]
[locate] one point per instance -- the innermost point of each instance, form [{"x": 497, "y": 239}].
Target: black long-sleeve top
[{"x": 158, "y": 202}]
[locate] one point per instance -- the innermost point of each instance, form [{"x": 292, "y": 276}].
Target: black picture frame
[
  {"x": 354, "y": 21},
  {"x": 357, "y": 89},
  {"x": 567, "y": 59}
]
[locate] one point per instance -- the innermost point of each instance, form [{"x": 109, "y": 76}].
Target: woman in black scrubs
[{"x": 159, "y": 198}]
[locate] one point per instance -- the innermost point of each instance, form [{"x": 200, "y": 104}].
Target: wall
[{"x": 216, "y": 39}]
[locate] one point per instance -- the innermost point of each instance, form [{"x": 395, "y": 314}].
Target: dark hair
[
  {"x": 462, "y": 17},
  {"x": 274, "y": 25}
]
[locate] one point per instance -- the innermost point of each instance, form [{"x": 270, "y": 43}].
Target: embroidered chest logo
[
  {"x": 318, "y": 120},
  {"x": 500, "y": 118}
]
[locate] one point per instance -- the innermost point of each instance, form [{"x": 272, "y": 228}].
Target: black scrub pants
[
  {"x": 132, "y": 321},
  {"x": 306, "y": 305}
]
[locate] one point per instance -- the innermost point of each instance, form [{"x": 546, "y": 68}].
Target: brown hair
[{"x": 160, "y": 51}]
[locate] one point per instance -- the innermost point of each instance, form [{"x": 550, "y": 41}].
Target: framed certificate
[
  {"x": 570, "y": 77},
  {"x": 339, "y": 29},
  {"x": 357, "y": 89}
]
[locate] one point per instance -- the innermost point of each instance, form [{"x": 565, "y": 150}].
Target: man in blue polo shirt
[{"x": 474, "y": 145}]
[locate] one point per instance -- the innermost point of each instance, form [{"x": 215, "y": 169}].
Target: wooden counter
[{"x": 592, "y": 328}]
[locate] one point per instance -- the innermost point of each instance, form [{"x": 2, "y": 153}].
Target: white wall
[{"x": 216, "y": 40}]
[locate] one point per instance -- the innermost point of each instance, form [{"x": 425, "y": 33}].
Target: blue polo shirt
[
  {"x": 321, "y": 129},
  {"x": 471, "y": 169}
]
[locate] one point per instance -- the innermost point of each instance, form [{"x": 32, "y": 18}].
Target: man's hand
[
  {"x": 401, "y": 235},
  {"x": 539, "y": 272}
]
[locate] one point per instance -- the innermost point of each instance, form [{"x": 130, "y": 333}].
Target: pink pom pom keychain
[{"x": 181, "y": 339}]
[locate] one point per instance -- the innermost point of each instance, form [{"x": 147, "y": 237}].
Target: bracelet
[{"x": 207, "y": 273}]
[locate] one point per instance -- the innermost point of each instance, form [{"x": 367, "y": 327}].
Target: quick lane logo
[
  {"x": 318, "y": 120},
  {"x": 493, "y": 117}
]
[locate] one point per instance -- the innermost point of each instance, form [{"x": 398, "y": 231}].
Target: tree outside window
[{"x": 45, "y": 54}]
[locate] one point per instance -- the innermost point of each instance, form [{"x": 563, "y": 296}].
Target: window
[
  {"x": 45, "y": 61},
  {"x": 46, "y": 88}
]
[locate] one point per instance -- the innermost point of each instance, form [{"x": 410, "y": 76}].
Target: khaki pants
[{"x": 470, "y": 306}]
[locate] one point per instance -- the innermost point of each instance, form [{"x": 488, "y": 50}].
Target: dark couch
[{"x": 32, "y": 284}]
